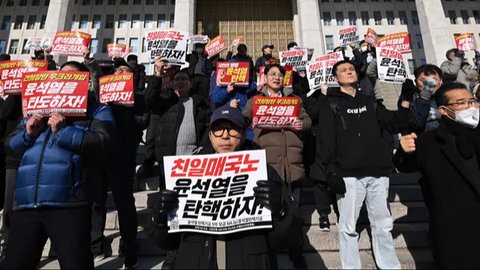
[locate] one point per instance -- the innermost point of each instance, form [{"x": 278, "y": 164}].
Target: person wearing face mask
[
  {"x": 362, "y": 57},
  {"x": 200, "y": 71},
  {"x": 449, "y": 161},
  {"x": 456, "y": 68}
]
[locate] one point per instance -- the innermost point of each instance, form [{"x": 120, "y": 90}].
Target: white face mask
[
  {"x": 468, "y": 117},
  {"x": 363, "y": 48}
]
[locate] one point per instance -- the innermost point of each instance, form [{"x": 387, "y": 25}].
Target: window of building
[
  {"x": 35, "y": 3},
  {"x": 172, "y": 17},
  {"x": 42, "y": 22},
  {"x": 148, "y": 21},
  {"x": 83, "y": 23},
  {"x": 98, "y": 2},
  {"x": 137, "y": 2},
  {"x": 364, "y": 15},
  {"x": 109, "y": 21},
  {"x": 162, "y": 2},
  {"x": 85, "y": 2},
  {"x": 123, "y": 2},
  {"x": 464, "y": 15},
  {"x": 13, "y": 46},
  {"x": 337, "y": 1},
  {"x": 476, "y": 16},
  {"x": 349, "y": 1},
  {"x": 133, "y": 44},
  {"x": 25, "y": 50},
  {"x": 172, "y": 2},
  {"x": 419, "y": 41},
  {"x": 423, "y": 61},
  {"x": 47, "y": 2},
  {"x": 339, "y": 17},
  {"x": 120, "y": 41},
  {"x": 352, "y": 17},
  {"x": 105, "y": 43},
  {"x": 94, "y": 45},
  {"x": 402, "y": 16},
  {"x": 414, "y": 17},
  {"x": 23, "y": 3},
  {"x": 149, "y": 2},
  {"x": 6, "y": 22},
  {"x": 10, "y": 3},
  {"x": 162, "y": 21},
  {"x": 325, "y": 1},
  {"x": 329, "y": 43},
  {"x": 452, "y": 15},
  {"x": 32, "y": 19},
  {"x": 390, "y": 18},
  {"x": 411, "y": 65},
  {"x": 136, "y": 23},
  {"x": 327, "y": 19},
  {"x": 3, "y": 45},
  {"x": 122, "y": 21},
  {"x": 18, "y": 22},
  {"x": 97, "y": 21},
  {"x": 377, "y": 16}
]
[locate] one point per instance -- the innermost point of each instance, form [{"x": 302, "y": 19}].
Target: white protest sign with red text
[
  {"x": 117, "y": 88},
  {"x": 320, "y": 71},
  {"x": 399, "y": 42},
  {"x": 297, "y": 58},
  {"x": 228, "y": 72},
  {"x": 236, "y": 41},
  {"x": 390, "y": 66},
  {"x": 348, "y": 35},
  {"x": 371, "y": 36},
  {"x": 465, "y": 42},
  {"x": 47, "y": 92},
  {"x": 71, "y": 43},
  {"x": 170, "y": 44},
  {"x": 215, "y": 46},
  {"x": 216, "y": 192},
  {"x": 37, "y": 43},
  {"x": 12, "y": 72},
  {"x": 117, "y": 50},
  {"x": 275, "y": 112},
  {"x": 198, "y": 39}
]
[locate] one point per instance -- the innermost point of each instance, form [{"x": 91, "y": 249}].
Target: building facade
[{"x": 431, "y": 24}]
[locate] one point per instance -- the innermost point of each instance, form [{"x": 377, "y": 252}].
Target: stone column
[
  {"x": 185, "y": 15},
  {"x": 437, "y": 37},
  {"x": 310, "y": 26},
  {"x": 57, "y": 19}
]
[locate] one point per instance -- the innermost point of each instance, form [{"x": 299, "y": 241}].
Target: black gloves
[
  {"x": 408, "y": 90},
  {"x": 460, "y": 54},
  {"x": 167, "y": 201},
  {"x": 336, "y": 184},
  {"x": 269, "y": 193}
]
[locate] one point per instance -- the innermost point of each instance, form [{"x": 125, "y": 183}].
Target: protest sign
[
  {"x": 275, "y": 112},
  {"x": 71, "y": 43},
  {"x": 371, "y": 36},
  {"x": 297, "y": 58},
  {"x": 47, "y": 92},
  {"x": 236, "y": 41},
  {"x": 198, "y": 39},
  {"x": 37, "y": 43},
  {"x": 320, "y": 71},
  {"x": 287, "y": 79},
  {"x": 12, "y": 72},
  {"x": 117, "y": 88},
  {"x": 348, "y": 35},
  {"x": 390, "y": 66},
  {"x": 167, "y": 79},
  {"x": 169, "y": 44},
  {"x": 310, "y": 51},
  {"x": 215, "y": 46},
  {"x": 117, "y": 50},
  {"x": 228, "y": 72},
  {"x": 465, "y": 42},
  {"x": 399, "y": 42},
  {"x": 216, "y": 192}
]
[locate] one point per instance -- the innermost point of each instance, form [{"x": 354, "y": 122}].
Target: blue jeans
[{"x": 374, "y": 191}]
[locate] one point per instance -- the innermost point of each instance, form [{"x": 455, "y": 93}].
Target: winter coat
[
  {"x": 451, "y": 190},
  {"x": 284, "y": 147},
  {"x": 387, "y": 92},
  {"x": 220, "y": 96},
  {"x": 52, "y": 170},
  {"x": 207, "y": 68},
  {"x": 457, "y": 70}
]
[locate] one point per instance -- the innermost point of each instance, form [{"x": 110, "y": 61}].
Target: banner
[
  {"x": 170, "y": 44},
  {"x": 275, "y": 112},
  {"x": 236, "y": 41},
  {"x": 117, "y": 50},
  {"x": 37, "y": 43},
  {"x": 196, "y": 39},
  {"x": 348, "y": 35},
  {"x": 371, "y": 36},
  {"x": 215, "y": 46},
  {"x": 117, "y": 88},
  {"x": 390, "y": 66},
  {"x": 228, "y": 72},
  {"x": 399, "y": 42},
  {"x": 287, "y": 79},
  {"x": 297, "y": 58},
  {"x": 465, "y": 42},
  {"x": 320, "y": 71},
  {"x": 216, "y": 192},
  {"x": 12, "y": 72},
  {"x": 71, "y": 43},
  {"x": 47, "y": 92}
]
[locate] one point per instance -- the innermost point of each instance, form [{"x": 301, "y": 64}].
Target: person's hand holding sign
[
  {"x": 35, "y": 125},
  {"x": 160, "y": 65},
  {"x": 57, "y": 122},
  {"x": 298, "y": 125},
  {"x": 230, "y": 87},
  {"x": 269, "y": 193},
  {"x": 167, "y": 201}
]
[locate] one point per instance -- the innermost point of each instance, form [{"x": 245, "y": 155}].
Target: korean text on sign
[
  {"x": 275, "y": 112},
  {"x": 297, "y": 58},
  {"x": 398, "y": 41},
  {"x": 390, "y": 66},
  {"x": 37, "y": 43},
  {"x": 117, "y": 88},
  {"x": 371, "y": 36},
  {"x": 465, "y": 42},
  {"x": 12, "y": 72},
  {"x": 47, "y": 92},
  {"x": 198, "y": 39},
  {"x": 287, "y": 79},
  {"x": 228, "y": 72},
  {"x": 169, "y": 44},
  {"x": 320, "y": 71},
  {"x": 348, "y": 35},
  {"x": 70, "y": 43},
  {"x": 117, "y": 50},
  {"x": 216, "y": 192},
  {"x": 215, "y": 46}
]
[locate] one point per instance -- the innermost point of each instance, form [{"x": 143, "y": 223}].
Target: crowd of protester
[{"x": 345, "y": 140}]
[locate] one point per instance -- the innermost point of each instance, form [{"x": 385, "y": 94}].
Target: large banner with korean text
[
  {"x": 12, "y": 72},
  {"x": 216, "y": 192},
  {"x": 169, "y": 44},
  {"x": 275, "y": 112}
]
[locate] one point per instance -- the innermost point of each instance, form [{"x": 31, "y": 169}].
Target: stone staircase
[{"x": 320, "y": 249}]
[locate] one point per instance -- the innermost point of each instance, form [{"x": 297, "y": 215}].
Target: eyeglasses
[
  {"x": 220, "y": 131},
  {"x": 464, "y": 104},
  {"x": 279, "y": 75}
]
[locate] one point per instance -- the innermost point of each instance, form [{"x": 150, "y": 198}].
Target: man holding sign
[{"x": 251, "y": 249}]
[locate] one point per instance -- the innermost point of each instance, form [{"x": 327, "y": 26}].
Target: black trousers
[
  {"x": 10, "y": 180},
  {"x": 67, "y": 228}
]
